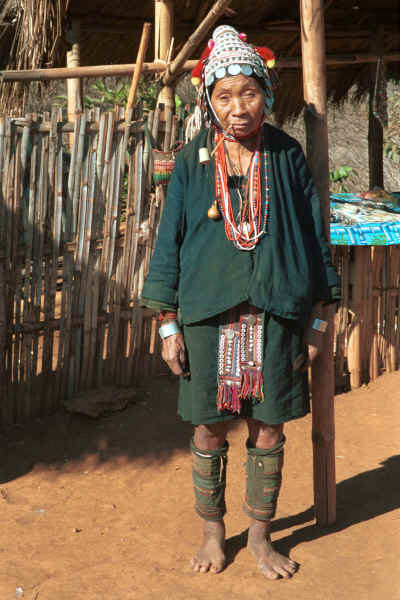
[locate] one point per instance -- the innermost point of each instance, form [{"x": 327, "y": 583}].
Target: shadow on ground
[
  {"x": 359, "y": 498},
  {"x": 149, "y": 428}
]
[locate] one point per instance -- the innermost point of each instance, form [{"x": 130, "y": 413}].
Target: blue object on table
[{"x": 369, "y": 233}]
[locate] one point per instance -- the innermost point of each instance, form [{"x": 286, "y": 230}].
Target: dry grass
[
  {"x": 348, "y": 140},
  {"x": 37, "y": 43}
]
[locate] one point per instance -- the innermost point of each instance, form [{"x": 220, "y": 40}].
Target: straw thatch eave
[{"x": 109, "y": 33}]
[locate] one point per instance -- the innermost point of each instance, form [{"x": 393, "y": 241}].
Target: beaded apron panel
[{"x": 240, "y": 354}]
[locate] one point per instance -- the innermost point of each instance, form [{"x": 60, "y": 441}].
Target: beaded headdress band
[{"x": 229, "y": 54}]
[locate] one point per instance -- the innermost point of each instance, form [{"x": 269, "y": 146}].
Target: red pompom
[
  {"x": 196, "y": 73},
  {"x": 265, "y": 53},
  {"x": 243, "y": 37}
]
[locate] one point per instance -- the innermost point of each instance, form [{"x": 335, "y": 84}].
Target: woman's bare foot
[
  {"x": 211, "y": 556},
  {"x": 271, "y": 564}
]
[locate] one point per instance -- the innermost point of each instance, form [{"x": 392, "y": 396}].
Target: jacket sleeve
[
  {"x": 328, "y": 283},
  {"x": 161, "y": 285}
]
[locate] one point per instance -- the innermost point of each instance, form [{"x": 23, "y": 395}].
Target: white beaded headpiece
[{"x": 229, "y": 54}]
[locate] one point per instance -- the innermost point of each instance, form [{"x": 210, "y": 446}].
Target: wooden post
[
  {"x": 195, "y": 39},
  {"x": 314, "y": 82},
  {"x": 74, "y": 88},
  {"x": 163, "y": 36},
  {"x": 375, "y": 129}
]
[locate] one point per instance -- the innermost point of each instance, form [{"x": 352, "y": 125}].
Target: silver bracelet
[
  {"x": 320, "y": 325},
  {"x": 168, "y": 329}
]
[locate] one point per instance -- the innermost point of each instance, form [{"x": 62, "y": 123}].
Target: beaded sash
[{"x": 240, "y": 358}]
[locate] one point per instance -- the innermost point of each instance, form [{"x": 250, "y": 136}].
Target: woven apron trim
[{"x": 240, "y": 357}]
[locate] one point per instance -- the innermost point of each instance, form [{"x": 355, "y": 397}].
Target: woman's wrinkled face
[{"x": 238, "y": 103}]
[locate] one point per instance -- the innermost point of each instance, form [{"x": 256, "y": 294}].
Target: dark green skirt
[{"x": 285, "y": 389}]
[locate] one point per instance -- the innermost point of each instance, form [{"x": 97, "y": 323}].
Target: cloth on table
[{"x": 359, "y": 222}]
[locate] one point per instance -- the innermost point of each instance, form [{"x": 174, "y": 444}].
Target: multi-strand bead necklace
[{"x": 246, "y": 230}]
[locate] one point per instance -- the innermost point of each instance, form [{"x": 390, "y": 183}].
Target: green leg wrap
[
  {"x": 264, "y": 477},
  {"x": 209, "y": 479}
]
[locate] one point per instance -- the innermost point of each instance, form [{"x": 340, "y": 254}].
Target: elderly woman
[{"x": 241, "y": 253}]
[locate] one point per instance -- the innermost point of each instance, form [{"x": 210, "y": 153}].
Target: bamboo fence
[
  {"x": 367, "y": 339},
  {"x": 77, "y": 228}
]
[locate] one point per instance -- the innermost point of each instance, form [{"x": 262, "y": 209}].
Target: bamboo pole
[
  {"x": 376, "y": 310},
  {"x": 294, "y": 62},
  {"x": 194, "y": 40},
  {"x": 163, "y": 37},
  {"x": 74, "y": 86},
  {"x": 354, "y": 351},
  {"x": 314, "y": 81},
  {"x": 144, "y": 42},
  {"x": 368, "y": 312}
]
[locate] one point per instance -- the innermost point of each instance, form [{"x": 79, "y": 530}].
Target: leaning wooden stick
[{"x": 144, "y": 42}]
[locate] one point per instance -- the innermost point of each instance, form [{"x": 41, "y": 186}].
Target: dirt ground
[{"x": 102, "y": 509}]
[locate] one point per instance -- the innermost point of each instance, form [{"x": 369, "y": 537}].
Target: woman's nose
[{"x": 238, "y": 106}]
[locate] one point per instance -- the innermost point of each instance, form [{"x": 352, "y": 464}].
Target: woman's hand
[
  {"x": 174, "y": 353},
  {"x": 313, "y": 339}
]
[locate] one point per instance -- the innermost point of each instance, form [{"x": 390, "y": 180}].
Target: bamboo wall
[
  {"x": 367, "y": 322},
  {"x": 78, "y": 222}
]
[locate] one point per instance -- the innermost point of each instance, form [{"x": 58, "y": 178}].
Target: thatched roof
[{"x": 110, "y": 34}]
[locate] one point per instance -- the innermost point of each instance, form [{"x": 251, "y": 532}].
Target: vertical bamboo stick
[
  {"x": 68, "y": 304},
  {"x": 49, "y": 290},
  {"x": 133, "y": 285},
  {"x": 377, "y": 271},
  {"x": 354, "y": 352},
  {"x": 314, "y": 81},
  {"x": 89, "y": 263},
  {"x": 117, "y": 256},
  {"x": 9, "y": 406},
  {"x": 28, "y": 280},
  {"x": 56, "y": 244},
  {"x": 15, "y": 278},
  {"x": 3, "y": 382},
  {"x": 391, "y": 362},
  {"x": 3, "y": 287},
  {"x": 94, "y": 323},
  {"x": 396, "y": 293},
  {"x": 164, "y": 24},
  {"x": 368, "y": 303},
  {"x": 81, "y": 274},
  {"x": 105, "y": 199},
  {"x": 74, "y": 86},
  {"x": 342, "y": 314}
]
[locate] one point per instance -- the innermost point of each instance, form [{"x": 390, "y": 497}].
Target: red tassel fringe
[
  {"x": 252, "y": 385},
  {"x": 230, "y": 397}
]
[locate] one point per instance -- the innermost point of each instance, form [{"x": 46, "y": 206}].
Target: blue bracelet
[
  {"x": 320, "y": 325},
  {"x": 168, "y": 329}
]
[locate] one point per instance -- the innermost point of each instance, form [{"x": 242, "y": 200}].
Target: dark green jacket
[{"x": 195, "y": 267}]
